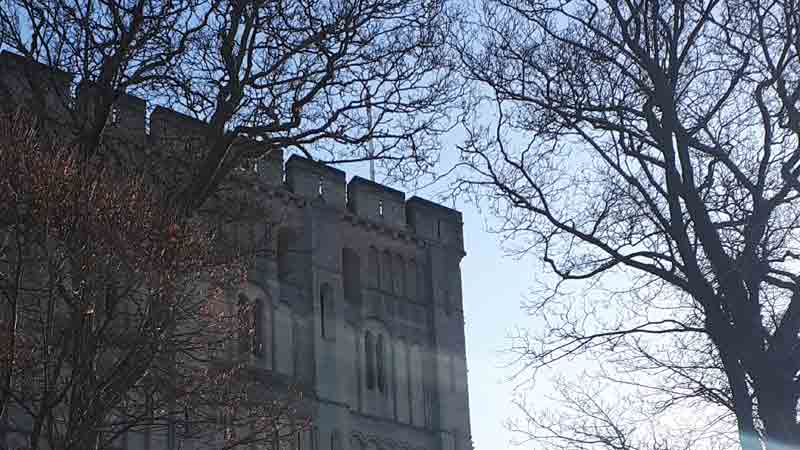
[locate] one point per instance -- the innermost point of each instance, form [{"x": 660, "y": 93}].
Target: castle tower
[
  {"x": 442, "y": 227},
  {"x": 357, "y": 292}
]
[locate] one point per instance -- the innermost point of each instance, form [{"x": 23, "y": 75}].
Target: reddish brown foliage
[{"x": 113, "y": 309}]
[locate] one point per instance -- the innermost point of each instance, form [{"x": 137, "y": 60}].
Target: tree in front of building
[{"x": 114, "y": 321}]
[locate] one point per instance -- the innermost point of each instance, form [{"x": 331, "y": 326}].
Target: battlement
[
  {"x": 311, "y": 179},
  {"x": 304, "y": 177},
  {"x": 53, "y": 85},
  {"x": 377, "y": 202}
]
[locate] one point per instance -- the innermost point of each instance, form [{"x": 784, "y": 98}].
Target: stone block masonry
[{"x": 359, "y": 288}]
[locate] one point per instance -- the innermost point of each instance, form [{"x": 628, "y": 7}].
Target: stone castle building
[{"x": 358, "y": 294}]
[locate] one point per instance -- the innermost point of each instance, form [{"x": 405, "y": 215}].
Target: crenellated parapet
[
  {"x": 377, "y": 202},
  {"x": 314, "y": 180},
  {"x": 128, "y": 122},
  {"x": 26, "y": 79},
  {"x": 432, "y": 221}
]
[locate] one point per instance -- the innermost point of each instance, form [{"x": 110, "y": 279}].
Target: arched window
[
  {"x": 327, "y": 311},
  {"x": 379, "y": 356},
  {"x": 258, "y": 335},
  {"x": 244, "y": 324},
  {"x": 369, "y": 352},
  {"x": 336, "y": 440},
  {"x": 251, "y": 317},
  {"x": 351, "y": 275}
]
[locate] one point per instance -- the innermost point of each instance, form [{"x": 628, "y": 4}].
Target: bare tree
[
  {"x": 322, "y": 78},
  {"x": 594, "y": 415},
  {"x": 114, "y": 316},
  {"x": 653, "y": 147},
  {"x": 337, "y": 81}
]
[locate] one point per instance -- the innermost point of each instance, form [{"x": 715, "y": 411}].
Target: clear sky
[{"x": 493, "y": 286}]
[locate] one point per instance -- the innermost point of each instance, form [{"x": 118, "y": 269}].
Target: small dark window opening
[
  {"x": 381, "y": 370},
  {"x": 327, "y": 312},
  {"x": 323, "y": 318},
  {"x": 439, "y": 229},
  {"x": 114, "y": 116},
  {"x": 380, "y": 208},
  {"x": 258, "y": 324},
  {"x": 320, "y": 187},
  {"x": 369, "y": 352},
  {"x": 243, "y": 324}
]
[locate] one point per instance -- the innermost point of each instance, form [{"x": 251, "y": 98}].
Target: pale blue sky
[{"x": 493, "y": 287}]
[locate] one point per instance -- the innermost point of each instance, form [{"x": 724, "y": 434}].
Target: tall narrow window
[
  {"x": 369, "y": 352},
  {"x": 336, "y": 440},
  {"x": 381, "y": 369},
  {"x": 320, "y": 187},
  {"x": 243, "y": 324},
  {"x": 258, "y": 325},
  {"x": 380, "y": 208},
  {"x": 322, "y": 316},
  {"x": 327, "y": 319}
]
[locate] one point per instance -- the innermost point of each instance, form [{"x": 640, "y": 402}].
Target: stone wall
[{"x": 336, "y": 262}]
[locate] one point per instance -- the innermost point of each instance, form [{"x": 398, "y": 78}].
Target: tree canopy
[
  {"x": 339, "y": 81},
  {"x": 114, "y": 314},
  {"x": 654, "y": 144}
]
